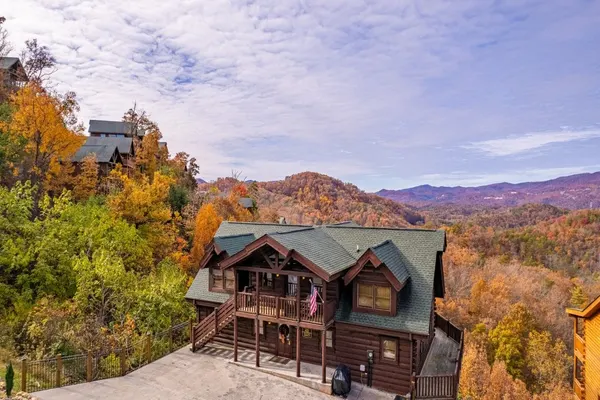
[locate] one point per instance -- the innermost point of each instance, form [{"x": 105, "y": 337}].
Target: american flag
[{"x": 313, "y": 299}]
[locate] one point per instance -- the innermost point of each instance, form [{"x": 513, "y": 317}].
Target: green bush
[{"x": 9, "y": 377}]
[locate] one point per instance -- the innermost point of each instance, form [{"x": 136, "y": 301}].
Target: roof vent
[
  {"x": 282, "y": 221},
  {"x": 357, "y": 248}
]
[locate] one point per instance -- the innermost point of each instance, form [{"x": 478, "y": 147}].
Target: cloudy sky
[{"x": 382, "y": 93}]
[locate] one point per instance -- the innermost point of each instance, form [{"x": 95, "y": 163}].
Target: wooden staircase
[{"x": 210, "y": 326}]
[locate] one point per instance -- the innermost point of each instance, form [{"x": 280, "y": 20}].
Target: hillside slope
[
  {"x": 573, "y": 192},
  {"x": 311, "y": 198}
]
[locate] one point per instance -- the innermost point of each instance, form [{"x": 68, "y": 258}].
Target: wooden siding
[
  {"x": 591, "y": 363},
  {"x": 351, "y": 345}
]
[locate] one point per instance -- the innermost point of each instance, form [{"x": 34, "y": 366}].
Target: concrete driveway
[{"x": 183, "y": 375}]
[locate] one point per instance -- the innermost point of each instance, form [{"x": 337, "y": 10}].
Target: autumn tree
[
  {"x": 87, "y": 179},
  {"x": 207, "y": 223},
  {"x": 578, "y": 298},
  {"x": 38, "y": 62},
  {"x": 37, "y": 122},
  {"x": 547, "y": 361}
]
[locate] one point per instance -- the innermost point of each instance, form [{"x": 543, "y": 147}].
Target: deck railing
[
  {"x": 285, "y": 308},
  {"x": 49, "y": 373}
]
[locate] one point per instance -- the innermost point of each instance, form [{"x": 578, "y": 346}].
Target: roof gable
[
  {"x": 114, "y": 127},
  {"x": 124, "y": 144}
]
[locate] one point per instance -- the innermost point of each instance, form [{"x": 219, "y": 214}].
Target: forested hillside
[{"x": 312, "y": 198}]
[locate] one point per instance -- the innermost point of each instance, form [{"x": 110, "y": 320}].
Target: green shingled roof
[
  {"x": 388, "y": 253},
  {"x": 408, "y": 253}
]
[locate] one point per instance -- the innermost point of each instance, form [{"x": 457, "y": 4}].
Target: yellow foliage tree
[
  {"x": 39, "y": 122},
  {"x": 145, "y": 205},
  {"x": 148, "y": 155},
  {"x": 207, "y": 223},
  {"x": 87, "y": 179}
]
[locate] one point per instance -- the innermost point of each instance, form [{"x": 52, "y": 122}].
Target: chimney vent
[{"x": 282, "y": 221}]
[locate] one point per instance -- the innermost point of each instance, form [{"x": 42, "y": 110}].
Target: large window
[
  {"x": 389, "y": 349},
  {"x": 329, "y": 338},
  {"x": 267, "y": 280},
  {"x": 229, "y": 280},
  {"x": 217, "y": 278},
  {"x": 375, "y": 297}
]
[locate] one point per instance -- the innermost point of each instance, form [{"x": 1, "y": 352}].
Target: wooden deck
[{"x": 442, "y": 357}]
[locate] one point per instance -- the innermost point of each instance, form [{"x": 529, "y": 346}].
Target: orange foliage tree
[
  {"x": 39, "y": 122},
  {"x": 207, "y": 223},
  {"x": 86, "y": 181}
]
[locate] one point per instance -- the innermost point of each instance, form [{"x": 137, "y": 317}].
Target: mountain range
[{"x": 573, "y": 192}]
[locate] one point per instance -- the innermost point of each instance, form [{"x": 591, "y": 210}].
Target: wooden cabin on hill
[
  {"x": 330, "y": 295},
  {"x": 586, "y": 357}
]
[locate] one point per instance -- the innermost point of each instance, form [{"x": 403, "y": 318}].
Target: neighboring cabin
[
  {"x": 376, "y": 296},
  {"x": 586, "y": 357},
  {"x": 13, "y": 73}
]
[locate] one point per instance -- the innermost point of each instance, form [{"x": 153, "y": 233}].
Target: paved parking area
[{"x": 184, "y": 375}]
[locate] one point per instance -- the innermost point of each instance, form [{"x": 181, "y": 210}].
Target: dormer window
[{"x": 373, "y": 297}]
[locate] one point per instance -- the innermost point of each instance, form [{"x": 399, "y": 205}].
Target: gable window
[
  {"x": 375, "y": 297},
  {"x": 389, "y": 349}
]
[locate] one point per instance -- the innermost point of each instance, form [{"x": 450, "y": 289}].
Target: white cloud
[{"x": 531, "y": 141}]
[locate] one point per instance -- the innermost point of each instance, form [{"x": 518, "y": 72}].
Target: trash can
[{"x": 341, "y": 381}]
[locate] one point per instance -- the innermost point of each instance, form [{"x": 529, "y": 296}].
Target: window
[
  {"x": 389, "y": 349},
  {"x": 222, "y": 280},
  {"x": 383, "y": 298},
  {"x": 229, "y": 280},
  {"x": 307, "y": 333},
  {"x": 267, "y": 280},
  {"x": 329, "y": 338},
  {"x": 579, "y": 370},
  {"x": 376, "y": 297},
  {"x": 261, "y": 327},
  {"x": 365, "y": 296},
  {"x": 217, "y": 278}
]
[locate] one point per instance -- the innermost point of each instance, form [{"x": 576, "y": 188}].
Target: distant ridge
[{"x": 574, "y": 192}]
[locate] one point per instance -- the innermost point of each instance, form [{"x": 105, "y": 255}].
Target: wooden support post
[
  {"x": 298, "y": 351},
  {"x": 277, "y": 307},
  {"x": 24, "y": 375},
  {"x": 235, "y": 338},
  {"x": 88, "y": 367},
  {"x": 324, "y": 356},
  {"x": 148, "y": 348},
  {"x": 192, "y": 339},
  {"x": 235, "y": 290},
  {"x": 325, "y": 316},
  {"x": 298, "y": 301},
  {"x": 123, "y": 361},
  {"x": 216, "y": 320},
  {"x": 59, "y": 367},
  {"x": 257, "y": 340},
  {"x": 412, "y": 350},
  {"x": 257, "y": 291}
]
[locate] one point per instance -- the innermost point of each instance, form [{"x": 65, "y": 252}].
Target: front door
[{"x": 284, "y": 341}]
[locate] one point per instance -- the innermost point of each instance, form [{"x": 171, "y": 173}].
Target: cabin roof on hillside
[
  {"x": 104, "y": 152},
  {"x": 124, "y": 144},
  {"x": 8, "y": 62},
  {"x": 410, "y": 254},
  {"x": 113, "y": 127}
]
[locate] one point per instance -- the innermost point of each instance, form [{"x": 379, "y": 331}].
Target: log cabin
[
  {"x": 107, "y": 156},
  {"x": 586, "y": 353},
  {"x": 374, "y": 290}
]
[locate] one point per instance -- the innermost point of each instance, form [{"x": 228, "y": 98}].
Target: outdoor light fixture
[{"x": 370, "y": 356}]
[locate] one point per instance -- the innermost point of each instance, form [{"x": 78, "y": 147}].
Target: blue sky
[{"x": 384, "y": 94}]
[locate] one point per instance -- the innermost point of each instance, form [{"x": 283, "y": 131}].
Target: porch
[{"x": 285, "y": 309}]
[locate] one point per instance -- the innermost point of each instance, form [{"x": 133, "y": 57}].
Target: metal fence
[{"x": 49, "y": 373}]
